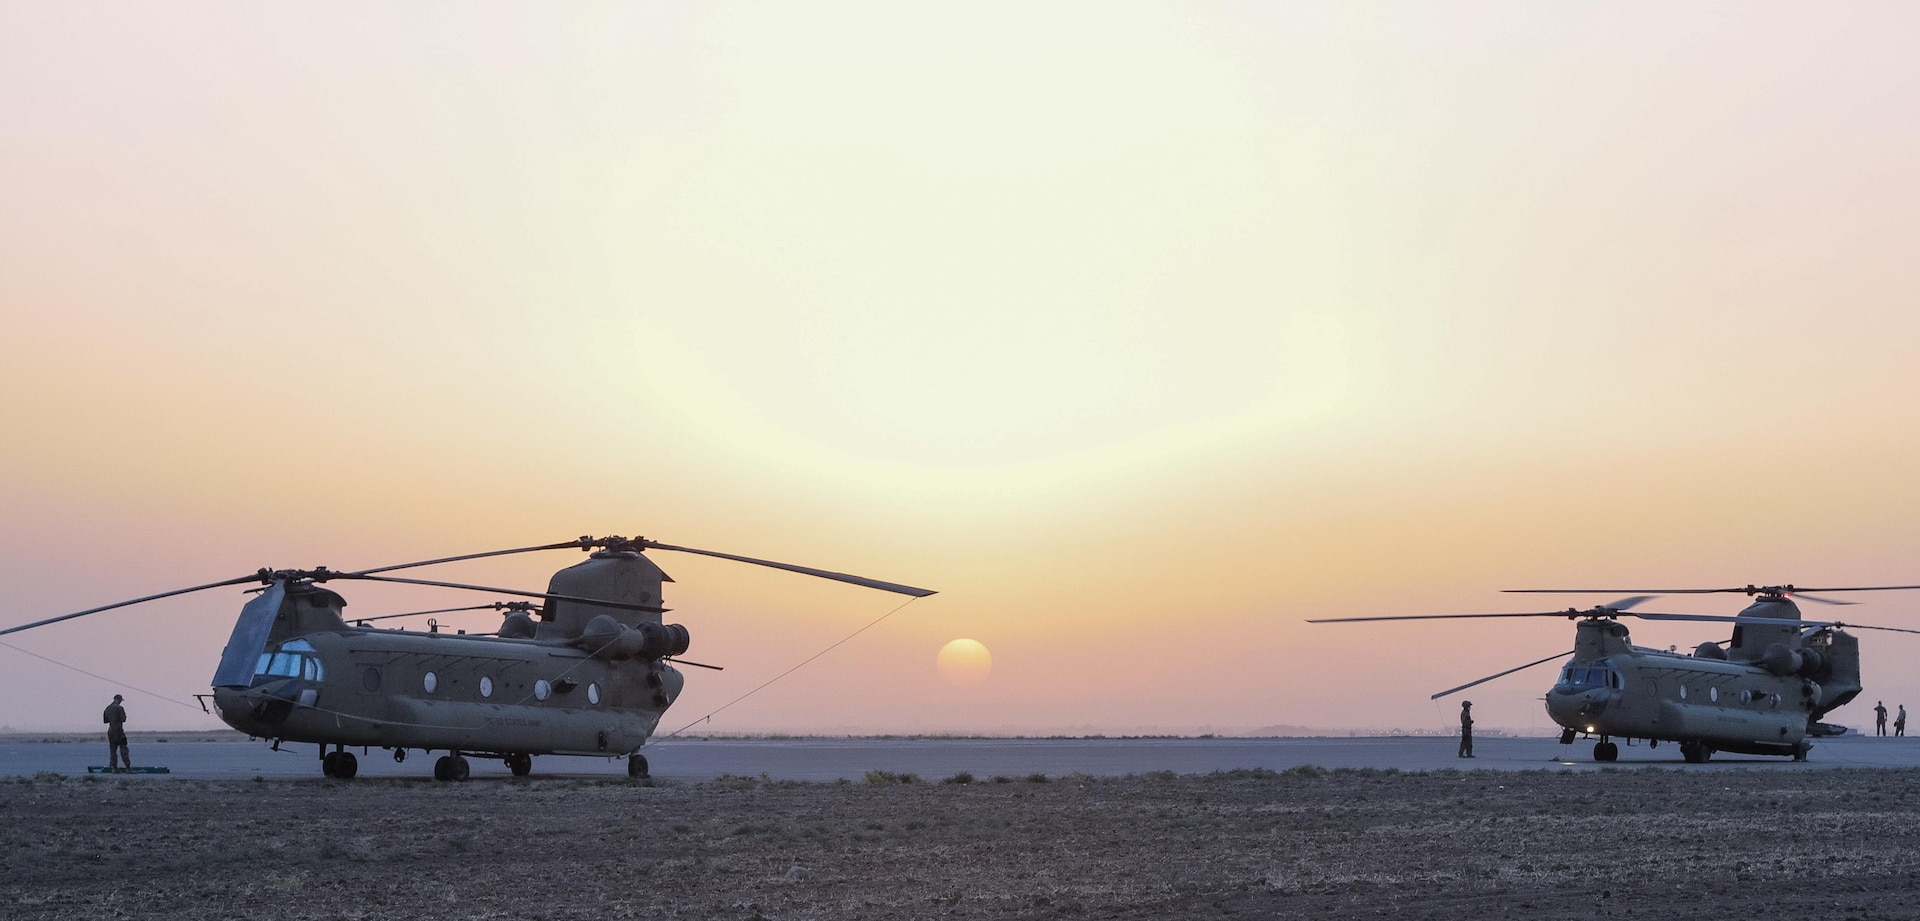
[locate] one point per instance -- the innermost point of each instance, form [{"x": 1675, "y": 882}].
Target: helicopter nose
[{"x": 1577, "y": 708}]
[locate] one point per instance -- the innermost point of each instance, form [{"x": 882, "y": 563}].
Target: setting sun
[{"x": 964, "y": 663}]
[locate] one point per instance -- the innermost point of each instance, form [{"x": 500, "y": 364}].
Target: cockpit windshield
[
  {"x": 294, "y": 659},
  {"x": 1600, "y": 674}
]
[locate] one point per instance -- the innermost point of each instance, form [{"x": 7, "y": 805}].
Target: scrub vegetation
[{"x": 1300, "y": 843}]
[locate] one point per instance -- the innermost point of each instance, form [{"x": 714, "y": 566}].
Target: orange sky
[{"x": 1142, "y": 332}]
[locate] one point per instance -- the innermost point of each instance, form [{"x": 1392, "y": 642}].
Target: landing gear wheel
[
  {"x": 458, "y": 768},
  {"x": 330, "y": 764},
  {"x": 345, "y": 765},
  {"x": 637, "y": 767},
  {"x": 399, "y": 755},
  {"x": 1800, "y": 750},
  {"x": 443, "y": 768},
  {"x": 520, "y": 764},
  {"x": 1695, "y": 752},
  {"x": 1605, "y": 751}
]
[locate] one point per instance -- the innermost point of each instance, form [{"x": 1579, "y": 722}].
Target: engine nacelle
[
  {"x": 606, "y": 638},
  {"x": 1780, "y": 660}
]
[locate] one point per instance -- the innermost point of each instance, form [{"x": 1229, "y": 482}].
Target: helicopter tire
[
  {"x": 1606, "y": 751},
  {"x": 346, "y": 766},
  {"x": 637, "y": 767},
  {"x": 443, "y": 768},
  {"x": 520, "y": 763},
  {"x": 458, "y": 769},
  {"x": 330, "y": 764}
]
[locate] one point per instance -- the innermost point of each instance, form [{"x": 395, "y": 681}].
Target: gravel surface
[{"x": 1306, "y": 843}]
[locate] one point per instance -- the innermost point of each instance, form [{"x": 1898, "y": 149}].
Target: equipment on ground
[
  {"x": 590, "y": 671},
  {"x": 1761, "y": 692}
]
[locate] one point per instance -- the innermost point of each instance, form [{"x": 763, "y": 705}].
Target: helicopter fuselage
[
  {"x": 366, "y": 687},
  {"x": 1761, "y": 695},
  {"x": 1658, "y": 695},
  {"x": 586, "y": 678}
]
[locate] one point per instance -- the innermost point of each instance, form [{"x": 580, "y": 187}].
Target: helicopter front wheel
[
  {"x": 521, "y": 764},
  {"x": 1606, "y": 751},
  {"x": 637, "y": 767},
  {"x": 451, "y": 767}
]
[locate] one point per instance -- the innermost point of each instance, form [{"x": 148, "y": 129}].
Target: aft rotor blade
[
  {"x": 1501, "y": 675},
  {"x": 1729, "y": 619},
  {"x": 1816, "y": 599},
  {"x": 1770, "y": 621},
  {"x": 496, "y": 606},
  {"x": 1868, "y": 627},
  {"x": 1794, "y": 590},
  {"x": 803, "y": 570},
  {"x": 498, "y": 591},
  {"x": 572, "y": 544},
  {"x": 717, "y": 668},
  {"x": 253, "y": 577}
]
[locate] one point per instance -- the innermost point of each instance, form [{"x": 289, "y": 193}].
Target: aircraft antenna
[{"x": 114, "y": 682}]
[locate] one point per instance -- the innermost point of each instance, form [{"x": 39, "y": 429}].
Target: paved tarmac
[{"x": 935, "y": 759}]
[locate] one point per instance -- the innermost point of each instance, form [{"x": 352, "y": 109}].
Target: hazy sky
[{"x": 1142, "y": 332}]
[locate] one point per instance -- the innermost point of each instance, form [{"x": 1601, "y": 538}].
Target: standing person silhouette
[
  {"x": 1900, "y": 722},
  {"x": 1466, "y": 729},
  {"x": 1879, "y": 718},
  {"x": 115, "y": 716}
]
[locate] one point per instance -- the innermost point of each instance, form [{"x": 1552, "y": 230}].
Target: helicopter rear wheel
[
  {"x": 637, "y": 767},
  {"x": 1606, "y": 751},
  {"x": 1695, "y": 752},
  {"x": 330, "y": 764},
  {"x": 345, "y": 765},
  {"x": 520, "y": 763}
]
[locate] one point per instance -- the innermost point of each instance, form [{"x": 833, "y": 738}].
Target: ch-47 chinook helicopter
[
  {"x": 1762, "y": 692},
  {"x": 590, "y": 672}
]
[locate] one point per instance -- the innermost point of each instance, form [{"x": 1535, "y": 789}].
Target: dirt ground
[{"x": 1304, "y": 843}]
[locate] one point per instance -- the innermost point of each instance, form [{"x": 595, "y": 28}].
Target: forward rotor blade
[
  {"x": 498, "y": 591},
  {"x": 1500, "y": 675},
  {"x": 803, "y": 570},
  {"x": 254, "y": 577},
  {"x": 1351, "y": 620},
  {"x": 717, "y": 668}
]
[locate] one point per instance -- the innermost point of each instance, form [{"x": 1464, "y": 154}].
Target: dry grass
[{"x": 1305, "y": 843}]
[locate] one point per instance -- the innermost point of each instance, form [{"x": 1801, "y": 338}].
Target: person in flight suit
[
  {"x": 1466, "y": 729},
  {"x": 1879, "y": 717},
  {"x": 115, "y": 716}
]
